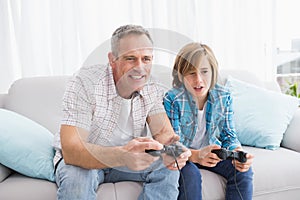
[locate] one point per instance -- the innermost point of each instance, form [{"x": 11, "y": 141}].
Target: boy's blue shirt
[{"x": 183, "y": 113}]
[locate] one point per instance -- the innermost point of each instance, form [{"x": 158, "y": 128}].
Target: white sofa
[{"x": 276, "y": 173}]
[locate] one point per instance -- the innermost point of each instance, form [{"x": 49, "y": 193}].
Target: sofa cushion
[
  {"x": 26, "y": 146},
  {"x": 261, "y": 115},
  {"x": 38, "y": 98},
  {"x": 18, "y": 187},
  {"x": 291, "y": 136},
  {"x": 275, "y": 173},
  {"x": 4, "y": 172}
]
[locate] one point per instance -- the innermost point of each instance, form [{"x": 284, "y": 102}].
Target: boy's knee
[{"x": 191, "y": 170}]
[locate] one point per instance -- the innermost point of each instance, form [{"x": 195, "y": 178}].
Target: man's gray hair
[{"x": 123, "y": 31}]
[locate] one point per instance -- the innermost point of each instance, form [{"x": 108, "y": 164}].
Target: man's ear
[{"x": 111, "y": 59}]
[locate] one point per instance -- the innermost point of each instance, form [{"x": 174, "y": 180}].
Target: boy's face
[
  {"x": 198, "y": 81},
  {"x": 132, "y": 67}
]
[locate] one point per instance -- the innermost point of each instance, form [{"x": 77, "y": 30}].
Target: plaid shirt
[
  {"x": 91, "y": 102},
  {"x": 182, "y": 112}
]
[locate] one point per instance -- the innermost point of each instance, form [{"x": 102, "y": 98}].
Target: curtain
[{"x": 54, "y": 37}]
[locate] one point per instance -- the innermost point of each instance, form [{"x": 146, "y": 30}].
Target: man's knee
[
  {"x": 164, "y": 175},
  {"x": 70, "y": 174}
]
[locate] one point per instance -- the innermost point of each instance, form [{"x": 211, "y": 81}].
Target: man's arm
[
  {"x": 163, "y": 132},
  {"x": 76, "y": 151},
  {"x": 161, "y": 129}
]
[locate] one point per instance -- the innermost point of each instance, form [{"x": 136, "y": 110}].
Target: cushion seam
[{"x": 275, "y": 190}]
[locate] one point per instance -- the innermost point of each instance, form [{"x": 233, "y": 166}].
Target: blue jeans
[
  {"x": 239, "y": 184},
  {"x": 77, "y": 183},
  {"x": 190, "y": 183}
]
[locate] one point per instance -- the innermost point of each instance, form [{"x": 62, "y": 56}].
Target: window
[{"x": 287, "y": 43}]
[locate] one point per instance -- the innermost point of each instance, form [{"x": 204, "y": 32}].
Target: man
[{"x": 106, "y": 112}]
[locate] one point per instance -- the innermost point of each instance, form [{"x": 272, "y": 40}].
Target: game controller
[
  {"x": 171, "y": 150},
  {"x": 227, "y": 154}
]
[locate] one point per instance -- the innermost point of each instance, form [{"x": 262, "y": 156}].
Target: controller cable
[
  {"x": 174, "y": 156},
  {"x": 236, "y": 186}
]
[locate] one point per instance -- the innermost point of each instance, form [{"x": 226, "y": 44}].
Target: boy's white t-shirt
[{"x": 200, "y": 139}]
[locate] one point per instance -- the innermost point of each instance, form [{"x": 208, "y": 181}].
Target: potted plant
[{"x": 293, "y": 91}]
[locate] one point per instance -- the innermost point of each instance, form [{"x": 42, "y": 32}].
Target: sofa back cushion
[
  {"x": 261, "y": 116},
  {"x": 2, "y": 98},
  {"x": 38, "y": 98},
  {"x": 248, "y": 77}
]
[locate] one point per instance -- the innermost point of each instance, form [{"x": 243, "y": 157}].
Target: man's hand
[
  {"x": 134, "y": 156},
  {"x": 170, "y": 162},
  {"x": 205, "y": 157}
]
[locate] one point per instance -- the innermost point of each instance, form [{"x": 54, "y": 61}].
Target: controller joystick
[
  {"x": 227, "y": 154},
  {"x": 171, "y": 150}
]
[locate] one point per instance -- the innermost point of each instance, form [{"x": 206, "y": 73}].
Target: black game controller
[
  {"x": 171, "y": 150},
  {"x": 227, "y": 154}
]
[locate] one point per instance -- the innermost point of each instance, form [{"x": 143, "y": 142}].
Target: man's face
[{"x": 132, "y": 67}]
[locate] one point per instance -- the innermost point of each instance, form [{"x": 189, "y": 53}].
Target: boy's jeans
[
  {"x": 238, "y": 183},
  {"x": 77, "y": 183}
]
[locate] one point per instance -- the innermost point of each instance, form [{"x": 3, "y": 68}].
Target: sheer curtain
[{"x": 54, "y": 37}]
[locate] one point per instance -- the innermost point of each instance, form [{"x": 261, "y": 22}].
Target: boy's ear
[{"x": 180, "y": 77}]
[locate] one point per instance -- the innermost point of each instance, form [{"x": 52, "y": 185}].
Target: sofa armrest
[
  {"x": 291, "y": 137},
  {"x": 4, "y": 172}
]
